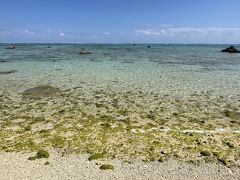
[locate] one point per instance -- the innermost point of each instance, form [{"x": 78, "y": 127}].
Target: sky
[{"x": 120, "y": 21}]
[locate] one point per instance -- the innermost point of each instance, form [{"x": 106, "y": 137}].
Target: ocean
[{"x": 172, "y": 69}]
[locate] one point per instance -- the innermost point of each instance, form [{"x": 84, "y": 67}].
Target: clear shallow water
[
  {"x": 121, "y": 99},
  {"x": 175, "y": 69}
]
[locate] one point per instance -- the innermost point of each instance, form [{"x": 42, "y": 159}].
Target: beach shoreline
[
  {"x": 139, "y": 109},
  {"x": 17, "y": 166}
]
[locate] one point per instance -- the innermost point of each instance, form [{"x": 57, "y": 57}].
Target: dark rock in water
[
  {"x": 231, "y": 49},
  {"x": 2, "y": 61},
  {"x": 134, "y": 44},
  {"x": 85, "y": 52},
  {"x": 7, "y": 72},
  {"x": 149, "y": 46},
  {"x": 40, "y": 92},
  {"x": 11, "y": 47},
  {"x": 128, "y": 62}
]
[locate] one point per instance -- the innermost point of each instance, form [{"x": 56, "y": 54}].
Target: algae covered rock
[
  {"x": 205, "y": 153},
  {"x": 106, "y": 167},
  {"x": 96, "y": 156},
  {"x": 40, "y": 154},
  {"x": 40, "y": 92},
  {"x": 230, "y": 114},
  {"x": 28, "y": 128},
  {"x": 161, "y": 159},
  {"x": 47, "y": 163},
  {"x": 230, "y": 144}
]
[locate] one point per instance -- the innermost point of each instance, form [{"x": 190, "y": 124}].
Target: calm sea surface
[{"x": 174, "y": 69}]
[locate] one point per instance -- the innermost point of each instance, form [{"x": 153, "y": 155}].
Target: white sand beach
[{"x": 17, "y": 166}]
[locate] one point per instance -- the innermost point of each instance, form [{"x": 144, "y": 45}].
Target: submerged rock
[
  {"x": 2, "y": 61},
  {"x": 85, "y": 52},
  {"x": 7, "y": 72},
  {"x": 40, "y": 92},
  {"x": 231, "y": 49},
  {"x": 230, "y": 114}
]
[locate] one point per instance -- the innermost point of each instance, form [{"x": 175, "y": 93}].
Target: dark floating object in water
[
  {"x": 85, "y": 52},
  {"x": 149, "y": 46},
  {"x": 134, "y": 44},
  {"x": 231, "y": 49},
  {"x": 11, "y": 47},
  {"x": 49, "y": 46},
  {"x": 7, "y": 72},
  {"x": 40, "y": 92}
]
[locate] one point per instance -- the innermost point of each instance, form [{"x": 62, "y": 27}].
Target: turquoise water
[
  {"x": 121, "y": 99},
  {"x": 172, "y": 69}
]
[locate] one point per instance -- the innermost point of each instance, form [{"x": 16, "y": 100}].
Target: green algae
[
  {"x": 121, "y": 127},
  {"x": 58, "y": 141}
]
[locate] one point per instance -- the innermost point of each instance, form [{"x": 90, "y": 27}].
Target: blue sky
[{"x": 120, "y": 21}]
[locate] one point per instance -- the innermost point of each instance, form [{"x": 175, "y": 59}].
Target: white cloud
[
  {"x": 28, "y": 32},
  {"x": 150, "y": 32},
  {"x": 17, "y": 32},
  {"x": 165, "y": 25},
  {"x": 107, "y": 33},
  {"x": 61, "y": 34}
]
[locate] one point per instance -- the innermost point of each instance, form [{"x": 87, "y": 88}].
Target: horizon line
[{"x": 121, "y": 43}]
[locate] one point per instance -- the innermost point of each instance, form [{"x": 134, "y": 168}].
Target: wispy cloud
[
  {"x": 28, "y": 32},
  {"x": 189, "y": 31},
  {"x": 171, "y": 34},
  {"x": 4, "y": 32},
  {"x": 107, "y": 33},
  {"x": 17, "y": 32},
  {"x": 150, "y": 32}
]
